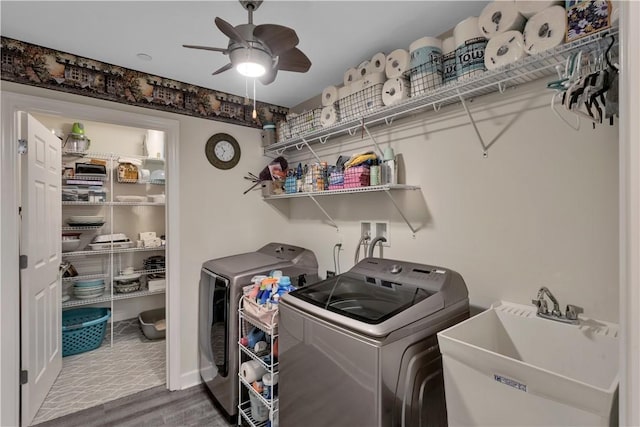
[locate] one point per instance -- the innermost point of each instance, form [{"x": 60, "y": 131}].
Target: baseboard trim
[{"x": 190, "y": 379}]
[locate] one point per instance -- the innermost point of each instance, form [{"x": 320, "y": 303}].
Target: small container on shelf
[
  {"x": 128, "y": 169},
  {"x": 127, "y": 172}
]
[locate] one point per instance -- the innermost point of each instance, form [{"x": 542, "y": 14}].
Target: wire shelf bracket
[
  {"x": 305, "y": 142},
  {"x": 331, "y": 221},
  {"x": 485, "y": 147},
  {"x": 373, "y": 139},
  {"x": 395, "y": 204}
]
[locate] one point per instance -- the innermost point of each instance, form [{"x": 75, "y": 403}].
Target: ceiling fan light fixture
[
  {"x": 251, "y": 62},
  {"x": 251, "y": 69}
]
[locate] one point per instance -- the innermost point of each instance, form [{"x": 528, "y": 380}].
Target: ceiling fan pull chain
[{"x": 255, "y": 113}]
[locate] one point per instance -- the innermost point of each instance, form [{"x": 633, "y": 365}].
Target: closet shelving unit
[
  {"x": 270, "y": 328},
  {"x": 528, "y": 69},
  {"x": 109, "y": 267}
]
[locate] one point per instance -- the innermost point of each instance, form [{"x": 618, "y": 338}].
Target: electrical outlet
[
  {"x": 381, "y": 229},
  {"x": 330, "y": 273},
  {"x": 365, "y": 229}
]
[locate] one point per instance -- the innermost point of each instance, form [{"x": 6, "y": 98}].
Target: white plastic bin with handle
[{"x": 507, "y": 366}]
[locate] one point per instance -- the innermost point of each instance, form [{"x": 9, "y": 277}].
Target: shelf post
[
  {"x": 331, "y": 221},
  {"x": 473, "y": 123}
]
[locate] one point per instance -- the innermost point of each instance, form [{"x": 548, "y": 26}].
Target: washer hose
[{"x": 363, "y": 239}]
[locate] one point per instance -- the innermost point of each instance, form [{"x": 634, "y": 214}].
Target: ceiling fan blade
[
  {"x": 230, "y": 31},
  {"x": 215, "y": 49},
  {"x": 277, "y": 37},
  {"x": 294, "y": 60},
  {"x": 222, "y": 69},
  {"x": 269, "y": 77}
]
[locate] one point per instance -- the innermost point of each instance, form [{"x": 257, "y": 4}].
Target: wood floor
[{"x": 154, "y": 407}]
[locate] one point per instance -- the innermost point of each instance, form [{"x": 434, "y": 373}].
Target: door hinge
[
  {"x": 24, "y": 377},
  {"x": 24, "y": 261},
  {"x": 23, "y": 147}
]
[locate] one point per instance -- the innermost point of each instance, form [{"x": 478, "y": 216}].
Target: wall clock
[{"x": 222, "y": 151}]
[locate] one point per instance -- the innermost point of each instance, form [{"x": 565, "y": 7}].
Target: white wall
[{"x": 541, "y": 209}]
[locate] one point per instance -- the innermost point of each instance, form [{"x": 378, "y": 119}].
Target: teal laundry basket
[{"x": 83, "y": 329}]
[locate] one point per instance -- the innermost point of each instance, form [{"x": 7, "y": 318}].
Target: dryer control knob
[{"x": 395, "y": 269}]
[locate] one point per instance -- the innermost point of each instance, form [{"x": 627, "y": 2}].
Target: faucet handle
[
  {"x": 541, "y": 304},
  {"x": 573, "y": 311}
]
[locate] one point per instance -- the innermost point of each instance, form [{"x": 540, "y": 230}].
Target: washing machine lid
[
  {"x": 364, "y": 299},
  {"x": 273, "y": 256}
]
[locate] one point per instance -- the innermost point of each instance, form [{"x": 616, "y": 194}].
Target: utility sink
[{"x": 507, "y": 366}]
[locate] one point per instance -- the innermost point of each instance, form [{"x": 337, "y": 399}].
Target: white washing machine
[{"x": 360, "y": 349}]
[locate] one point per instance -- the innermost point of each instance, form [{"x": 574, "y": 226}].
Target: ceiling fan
[{"x": 259, "y": 50}]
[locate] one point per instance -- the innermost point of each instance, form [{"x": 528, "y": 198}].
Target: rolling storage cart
[{"x": 258, "y": 373}]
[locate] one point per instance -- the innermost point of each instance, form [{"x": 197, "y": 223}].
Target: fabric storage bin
[{"x": 83, "y": 329}]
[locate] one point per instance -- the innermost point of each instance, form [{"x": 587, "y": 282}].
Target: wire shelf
[
  {"x": 369, "y": 189},
  {"x": 72, "y": 203},
  {"x": 245, "y": 412},
  {"x": 107, "y": 297},
  {"x": 528, "y": 69},
  {"x": 257, "y": 358},
  {"x": 268, "y": 403},
  {"x": 94, "y": 155},
  {"x": 105, "y": 275},
  {"x": 82, "y": 228},
  {"x": 109, "y": 251},
  {"x": 84, "y": 277},
  {"x": 136, "y": 204}
]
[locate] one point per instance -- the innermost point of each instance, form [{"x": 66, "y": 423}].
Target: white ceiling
[{"x": 335, "y": 35}]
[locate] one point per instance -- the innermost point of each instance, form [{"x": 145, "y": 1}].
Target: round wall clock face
[{"x": 222, "y": 151}]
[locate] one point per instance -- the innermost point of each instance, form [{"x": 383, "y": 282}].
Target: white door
[{"x": 40, "y": 287}]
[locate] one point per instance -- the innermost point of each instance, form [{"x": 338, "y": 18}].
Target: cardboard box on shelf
[{"x": 156, "y": 284}]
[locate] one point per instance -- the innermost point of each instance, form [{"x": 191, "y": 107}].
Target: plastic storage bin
[
  {"x": 83, "y": 329},
  {"x": 149, "y": 321}
]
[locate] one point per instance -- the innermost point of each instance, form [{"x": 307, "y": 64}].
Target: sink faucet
[
  {"x": 571, "y": 313},
  {"x": 372, "y": 246}
]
